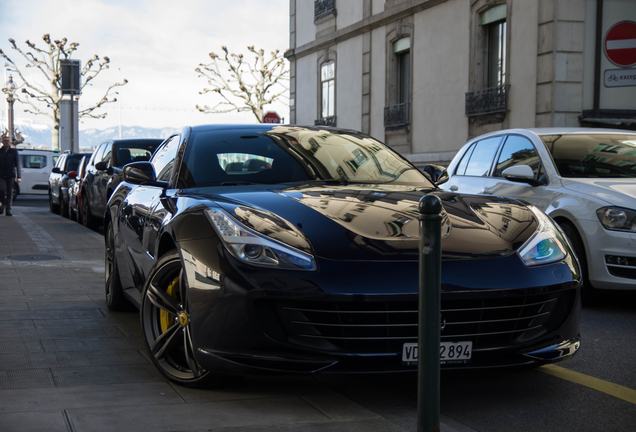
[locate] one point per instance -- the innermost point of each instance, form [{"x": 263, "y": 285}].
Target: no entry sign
[{"x": 620, "y": 44}]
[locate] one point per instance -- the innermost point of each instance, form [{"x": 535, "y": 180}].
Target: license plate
[{"x": 449, "y": 352}]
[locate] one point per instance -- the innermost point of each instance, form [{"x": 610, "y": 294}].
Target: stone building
[{"x": 424, "y": 76}]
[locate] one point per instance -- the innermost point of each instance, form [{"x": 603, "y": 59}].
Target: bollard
[{"x": 430, "y": 269}]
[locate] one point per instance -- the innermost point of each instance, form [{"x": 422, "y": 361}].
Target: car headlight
[
  {"x": 254, "y": 248},
  {"x": 547, "y": 244},
  {"x": 617, "y": 219}
]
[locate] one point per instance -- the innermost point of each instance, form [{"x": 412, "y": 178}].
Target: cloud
[{"x": 156, "y": 45}]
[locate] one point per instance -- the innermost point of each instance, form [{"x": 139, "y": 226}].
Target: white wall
[
  {"x": 440, "y": 77},
  {"x": 306, "y": 90},
  {"x": 378, "y": 82},
  {"x": 377, "y": 6},
  {"x": 305, "y": 27},
  {"x": 348, "y": 12},
  {"x": 349, "y": 84},
  {"x": 522, "y": 75}
]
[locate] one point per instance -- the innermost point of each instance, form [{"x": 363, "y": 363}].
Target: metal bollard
[{"x": 430, "y": 269}]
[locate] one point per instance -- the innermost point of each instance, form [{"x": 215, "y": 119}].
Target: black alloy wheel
[
  {"x": 589, "y": 294},
  {"x": 52, "y": 206},
  {"x": 63, "y": 207},
  {"x": 166, "y": 326},
  {"x": 86, "y": 217},
  {"x": 115, "y": 298}
]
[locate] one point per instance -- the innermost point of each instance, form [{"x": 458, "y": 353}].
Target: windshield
[
  {"x": 292, "y": 154},
  {"x": 593, "y": 155}
]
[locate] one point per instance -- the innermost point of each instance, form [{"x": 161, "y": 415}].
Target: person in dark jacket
[{"x": 9, "y": 167}]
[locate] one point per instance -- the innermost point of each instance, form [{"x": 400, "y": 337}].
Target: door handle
[
  {"x": 454, "y": 188},
  {"x": 487, "y": 191}
]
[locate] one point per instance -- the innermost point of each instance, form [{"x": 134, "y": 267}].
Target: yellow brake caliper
[{"x": 167, "y": 319}]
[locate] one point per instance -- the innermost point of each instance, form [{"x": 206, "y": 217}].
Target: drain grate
[{"x": 34, "y": 257}]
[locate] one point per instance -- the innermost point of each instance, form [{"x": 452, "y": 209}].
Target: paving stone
[
  {"x": 264, "y": 412},
  {"x": 135, "y": 394},
  {"x": 52, "y": 314},
  {"x": 25, "y": 379},
  {"x": 39, "y": 421},
  {"x": 103, "y": 344},
  {"x": 95, "y": 375},
  {"x": 66, "y": 359},
  {"x": 20, "y": 347},
  {"x": 63, "y": 305}
]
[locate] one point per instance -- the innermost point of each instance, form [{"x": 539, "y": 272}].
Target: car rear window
[{"x": 593, "y": 154}]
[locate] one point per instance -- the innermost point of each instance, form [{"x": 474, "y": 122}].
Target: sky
[{"x": 155, "y": 45}]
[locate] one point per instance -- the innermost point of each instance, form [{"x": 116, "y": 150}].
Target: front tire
[
  {"x": 166, "y": 326},
  {"x": 115, "y": 298},
  {"x": 52, "y": 206},
  {"x": 589, "y": 294},
  {"x": 87, "y": 218}
]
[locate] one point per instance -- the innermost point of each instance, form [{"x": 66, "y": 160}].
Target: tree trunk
[{"x": 55, "y": 131}]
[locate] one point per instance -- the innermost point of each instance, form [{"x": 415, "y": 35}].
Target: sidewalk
[{"x": 69, "y": 364}]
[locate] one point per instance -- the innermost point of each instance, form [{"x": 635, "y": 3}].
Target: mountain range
[{"x": 38, "y": 135}]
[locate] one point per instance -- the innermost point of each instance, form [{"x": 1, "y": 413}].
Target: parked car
[
  {"x": 74, "y": 188},
  {"x": 584, "y": 179},
  {"x": 306, "y": 260},
  {"x": 36, "y": 168},
  {"x": 103, "y": 174},
  {"x": 64, "y": 170}
]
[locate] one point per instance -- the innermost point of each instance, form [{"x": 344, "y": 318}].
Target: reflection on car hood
[
  {"x": 615, "y": 191},
  {"x": 362, "y": 222}
]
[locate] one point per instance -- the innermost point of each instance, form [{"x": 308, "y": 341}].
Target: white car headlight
[
  {"x": 547, "y": 244},
  {"x": 254, "y": 248},
  {"x": 617, "y": 219}
]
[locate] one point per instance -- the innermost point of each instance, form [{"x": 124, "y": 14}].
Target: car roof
[{"x": 565, "y": 131}]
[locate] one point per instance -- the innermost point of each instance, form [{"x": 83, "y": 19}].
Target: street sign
[
  {"x": 620, "y": 44},
  {"x": 271, "y": 117}
]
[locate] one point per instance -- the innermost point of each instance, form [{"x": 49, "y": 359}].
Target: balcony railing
[
  {"x": 325, "y": 121},
  {"x": 396, "y": 115},
  {"x": 324, "y": 8},
  {"x": 487, "y": 101}
]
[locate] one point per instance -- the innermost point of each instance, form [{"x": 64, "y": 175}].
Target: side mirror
[
  {"x": 436, "y": 174},
  {"x": 520, "y": 173},
  {"x": 56, "y": 170},
  {"x": 101, "y": 165},
  {"x": 142, "y": 173}
]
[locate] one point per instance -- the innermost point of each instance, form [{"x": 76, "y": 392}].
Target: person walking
[{"x": 9, "y": 167}]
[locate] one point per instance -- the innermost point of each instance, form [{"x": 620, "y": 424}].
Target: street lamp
[{"x": 9, "y": 88}]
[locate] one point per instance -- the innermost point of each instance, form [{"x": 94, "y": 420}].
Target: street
[{"x": 69, "y": 364}]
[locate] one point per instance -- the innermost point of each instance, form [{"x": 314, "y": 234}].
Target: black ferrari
[{"x": 283, "y": 249}]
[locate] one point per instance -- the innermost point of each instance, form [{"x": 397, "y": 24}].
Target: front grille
[{"x": 384, "y": 326}]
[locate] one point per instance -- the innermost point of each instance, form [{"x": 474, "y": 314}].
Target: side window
[
  {"x": 108, "y": 150},
  {"x": 98, "y": 154},
  {"x": 461, "y": 168},
  {"x": 34, "y": 161},
  {"x": 60, "y": 162},
  {"x": 163, "y": 158},
  {"x": 517, "y": 151},
  {"x": 482, "y": 157}
]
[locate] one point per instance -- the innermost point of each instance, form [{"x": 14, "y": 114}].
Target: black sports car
[{"x": 269, "y": 248}]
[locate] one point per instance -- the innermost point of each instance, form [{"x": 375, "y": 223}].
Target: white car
[
  {"x": 36, "y": 168},
  {"x": 585, "y": 179}
]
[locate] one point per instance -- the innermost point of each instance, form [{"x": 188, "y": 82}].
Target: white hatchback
[{"x": 585, "y": 179}]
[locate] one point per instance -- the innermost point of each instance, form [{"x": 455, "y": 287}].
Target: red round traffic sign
[
  {"x": 620, "y": 44},
  {"x": 271, "y": 117}
]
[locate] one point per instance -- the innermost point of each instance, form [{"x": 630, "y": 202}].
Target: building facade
[{"x": 424, "y": 76}]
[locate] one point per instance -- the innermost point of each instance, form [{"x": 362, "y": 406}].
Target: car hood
[
  {"x": 377, "y": 222},
  {"x": 614, "y": 191}
]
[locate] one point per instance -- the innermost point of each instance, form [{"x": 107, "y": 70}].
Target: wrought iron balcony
[
  {"x": 325, "y": 121},
  {"x": 487, "y": 101},
  {"x": 324, "y": 8},
  {"x": 396, "y": 115}
]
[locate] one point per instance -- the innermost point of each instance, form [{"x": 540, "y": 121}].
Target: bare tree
[
  {"x": 250, "y": 85},
  {"x": 47, "y": 100}
]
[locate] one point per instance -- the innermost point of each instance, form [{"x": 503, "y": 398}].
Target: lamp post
[{"x": 9, "y": 89}]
